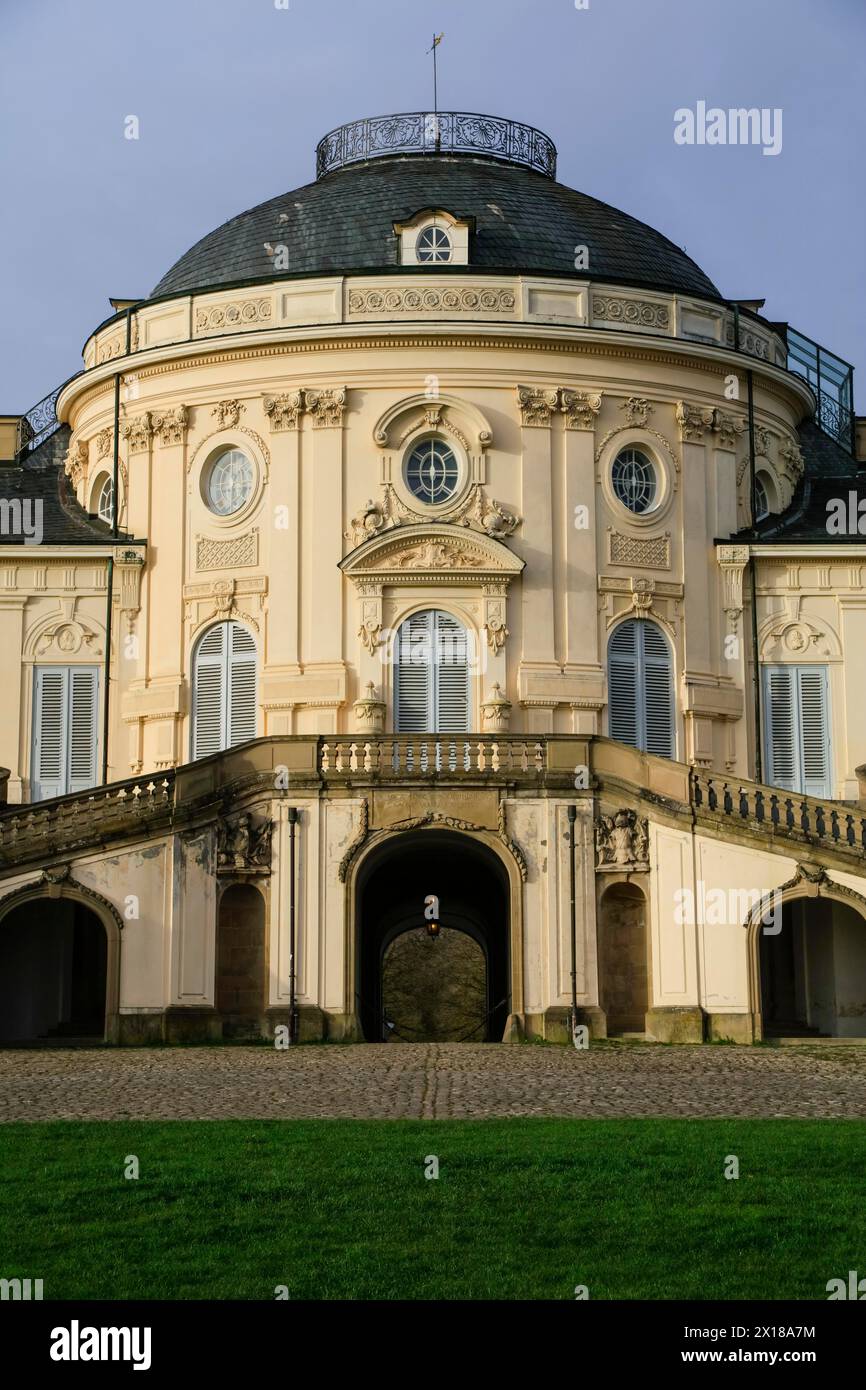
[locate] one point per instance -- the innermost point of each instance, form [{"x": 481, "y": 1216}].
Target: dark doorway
[
  {"x": 240, "y": 983},
  {"x": 53, "y": 958},
  {"x": 813, "y": 971},
  {"x": 623, "y": 959},
  {"x": 412, "y": 988}
]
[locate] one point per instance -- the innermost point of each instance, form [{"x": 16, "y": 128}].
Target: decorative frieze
[
  {"x": 228, "y": 413},
  {"x": 170, "y": 426},
  {"x": 284, "y": 411},
  {"x": 537, "y": 404},
  {"x": 213, "y": 554},
  {"x": 694, "y": 421},
  {"x": 219, "y": 318},
  {"x": 326, "y": 406},
  {"x": 637, "y": 410},
  {"x": 639, "y": 313},
  {"x": 580, "y": 408},
  {"x": 645, "y": 552},
  {"x": 455, "y": 299}
]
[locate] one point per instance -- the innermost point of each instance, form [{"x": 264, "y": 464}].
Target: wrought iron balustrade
[
  {"x": 426, "y": 132},
  {"x": 38, "y": 423},
  {"x": 832, "y": 380}
]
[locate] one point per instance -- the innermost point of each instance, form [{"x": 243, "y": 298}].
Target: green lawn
[{"x": 521, "y": 1208}]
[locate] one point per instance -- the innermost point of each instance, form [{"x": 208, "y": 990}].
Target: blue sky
[{"x": 232, "y": 95}]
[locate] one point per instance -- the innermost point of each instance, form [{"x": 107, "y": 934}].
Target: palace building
[{"x": 435, "y": 611}]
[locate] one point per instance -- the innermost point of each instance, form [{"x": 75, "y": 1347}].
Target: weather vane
[{"x": 437, "y": 39}]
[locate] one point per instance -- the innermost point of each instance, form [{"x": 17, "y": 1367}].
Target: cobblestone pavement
[{"x": 430, "y": 1081}]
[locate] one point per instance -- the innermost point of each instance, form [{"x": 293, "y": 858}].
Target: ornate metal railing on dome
[{"x": 426, "y": 132}]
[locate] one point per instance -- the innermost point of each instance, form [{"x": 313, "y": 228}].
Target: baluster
[
  {"x": 325, "y": 759},
  {"x": 697, "y": 790},
  {"x": 789, "y": 813},
  {"x": 760, "y": 810},
  {"x": 494, "y": 756},
  {"x": 774, "y": 810},
  {"x": 820, "y": 824},
  {"x": 744, "y": 803},
  {"x": 727, "y": 800},
  {"x": 850, "y": 834},
  {"x": 539, "y": 757},
  {"x": 712, "y": 795},
  {"x": 395, "y": 755},
  {"x": 863, "y": 832},
  {"x": 804, "y": 816},
  {"x": 834, "y": 825}
]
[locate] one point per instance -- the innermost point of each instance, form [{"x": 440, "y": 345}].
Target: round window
[
  {"x": 432, "y": 472},
  {"x": 433, "y": 244},
  {"x": 634, "y": 480},
  {"x": 229, "y": 483}
]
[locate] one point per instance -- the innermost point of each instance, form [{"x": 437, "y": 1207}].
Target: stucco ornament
[
  {"x": 369, "y": 634},
  {"x": 622, "y": 842},
  {"x": 580, "y": 408},
  {"x": 489, "y": 517},
  {"x": 367, "y": 522},
  {"x": 243, "y": 847},
  {"x": 76, "y": 462},
  {"x": 496, "y": 711},
  {"x": 694, "y": 421},
  {"x": 369, "y": 712},
  {"x": 637, "y": 410},
  {"x": 228, "y": 413}
]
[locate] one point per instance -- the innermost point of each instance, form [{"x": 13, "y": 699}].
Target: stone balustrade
[
  {"x": 399, "y": 756},
  {"x": 765, "y": 809}
]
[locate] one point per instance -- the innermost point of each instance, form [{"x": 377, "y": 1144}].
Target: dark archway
[
  {"x": 53, "y": 972},
  {"x": 240, "y": 981},
  {"x": 472, "y": 886},
  {"x": 623, "y": 973},
  {"x": 813, "y": 971}
]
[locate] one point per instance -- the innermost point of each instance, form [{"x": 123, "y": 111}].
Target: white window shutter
[
  {"x": 640, "y": 688},
  {"x": 780, "y": 711},
  {"x": 83, "y": 702},
  {"x": 209, "y": 693},
  {"x": 65, "y": 738},
  {"x": 431, "y": 675},
  {"x": 413, "y": 683},
  {"x": 241, "y": 685},
  {"x": 658, "y": 691},
  {"x": 50, "y": 733},
  {"x": 451, "y": 676},
  {"x": 814, "y": 731},
  {"x": 622, "y": 684}
]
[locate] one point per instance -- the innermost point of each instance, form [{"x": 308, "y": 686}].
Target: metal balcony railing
[
  {"x": 427, "y": 132},
  {"x": 37, "y": 424},
  {"x": 832, "y": 380}
]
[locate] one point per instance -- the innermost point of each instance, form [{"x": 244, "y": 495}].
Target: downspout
[
  {"x": 756, "y": 667},
  {"x": 106, "y": 683},
  {"x": 293, "y": 1002},
  {"x": 572, "y": 817}
]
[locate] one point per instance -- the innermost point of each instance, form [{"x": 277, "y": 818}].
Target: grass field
[{"x": 521, "y": 1208}]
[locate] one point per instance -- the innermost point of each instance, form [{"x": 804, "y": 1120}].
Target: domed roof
[{"x": 523, "y": 220}]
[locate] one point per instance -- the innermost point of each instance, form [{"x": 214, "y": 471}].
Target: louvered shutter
[
  {"x": 780, "y": 713},
  {"x": 413, "y": 675},
  {"x": 83, "y": 691},
  {"x": 658, "y": 691},
  {"x": 814, "y": 733},
  {"x": 50, "y": 733},
  {"x": 209, "y": 693},
  {"x": 65, "y": 739},
  {"x": 241, "y": 685},
  {"x": 798, "y": 735},
  {"x": 623, "y": 684},
  {"x": 451, "y": 676}
]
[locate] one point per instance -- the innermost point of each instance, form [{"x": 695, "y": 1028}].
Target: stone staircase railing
[
  {"x": 773, "y": 811},
  {"x": 82, "y": 818},
  {"x": 399, "y": 756}
]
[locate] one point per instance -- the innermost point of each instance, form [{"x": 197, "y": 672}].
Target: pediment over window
[
  {"x": 438, "y": 414},
  {"x": 432, "y": 552}
]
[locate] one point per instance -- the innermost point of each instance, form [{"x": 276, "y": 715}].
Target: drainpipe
[
  {"x": 293, "y": 1003},
  {"x": 107, "y": 675},
  {"x": 756, "y": 667},
  {"x": 572, "y": 817}
]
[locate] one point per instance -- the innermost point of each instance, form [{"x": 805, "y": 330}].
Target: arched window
[
  {"x": 103, "y": 496},
  {"x": 762, "y": 500},
  {"x": 431, "y": 675},
  {"x": 641, "y": 688},
  {"x": 224, "y": 689}
]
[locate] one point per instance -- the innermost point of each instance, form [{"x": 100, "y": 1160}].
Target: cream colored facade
[{"x": 536, "y": 385}]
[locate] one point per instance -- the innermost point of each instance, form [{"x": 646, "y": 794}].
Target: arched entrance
[
  {"x": 622, "y": 966},
  {"x": 456, "y": 987},
  {"x": 811, "y": 974},
  {"x": 54, "y": 972},
  {"x": 240, "y": 981}
]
